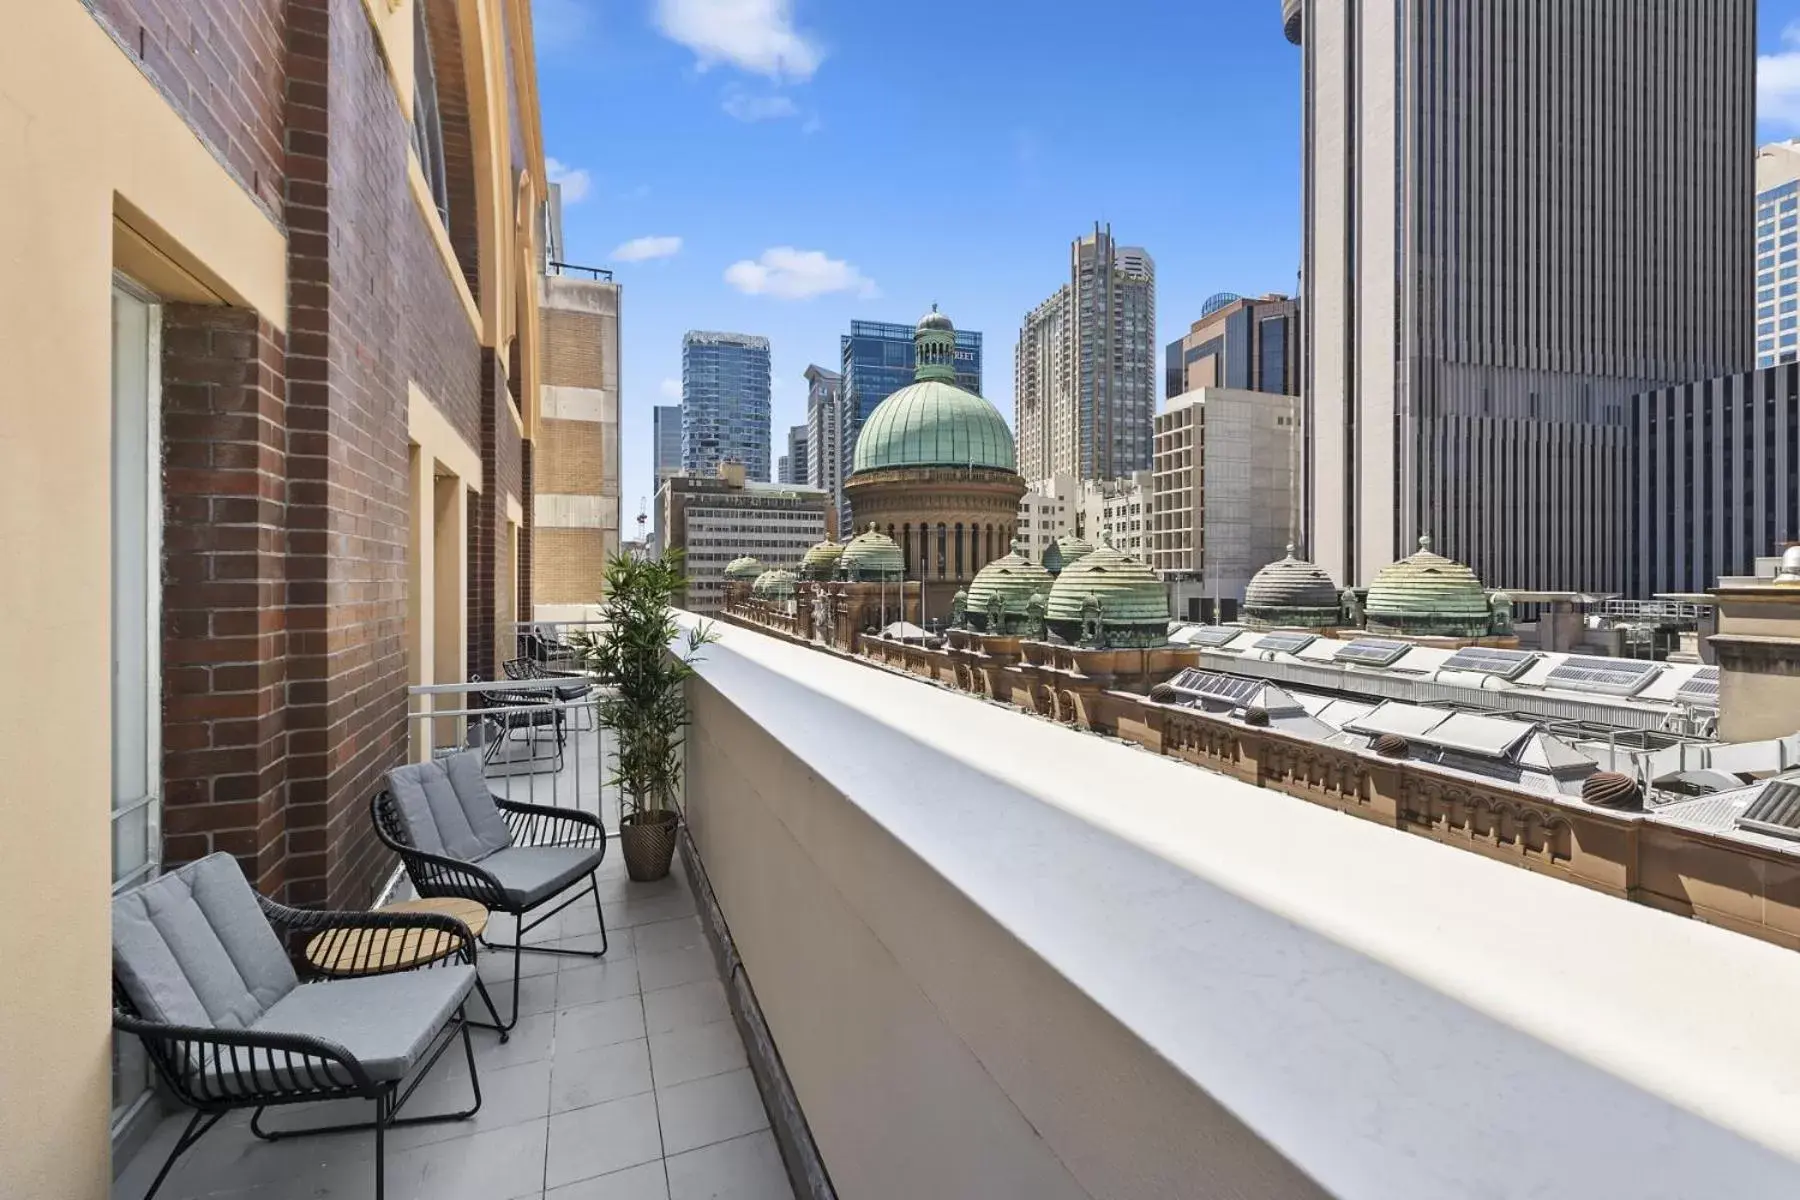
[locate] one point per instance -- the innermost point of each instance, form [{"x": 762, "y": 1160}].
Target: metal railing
[
  {"x": 540, "y": 739},
  {"x": 602, "y": 274}
]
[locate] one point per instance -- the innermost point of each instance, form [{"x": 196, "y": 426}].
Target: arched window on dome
[
  {"x": 942, "y": 556},
  {"x": 906, "y": 546},
  {"x": 959, "y": 550}
]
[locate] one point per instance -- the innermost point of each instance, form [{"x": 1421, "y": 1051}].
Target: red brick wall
[
  {"x": 224, "y": 591},
  {"x": 373, "y": 308},
  {"x": 219, "y": 62}
]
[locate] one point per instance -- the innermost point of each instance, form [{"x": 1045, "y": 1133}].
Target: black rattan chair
[
  {"x": 201, "y": 977},
  {"x": 456, "y": 838},
  {"x": 570, "y": 687},
  {"x": 525, "y": 712}
]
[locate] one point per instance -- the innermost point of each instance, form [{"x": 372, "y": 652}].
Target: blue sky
[{"x": 782, "y": 166}]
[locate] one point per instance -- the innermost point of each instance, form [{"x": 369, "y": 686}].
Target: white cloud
[
  {"x": 574, "y": 180},
  {"x": 790, "y": 274},
  {"x": 745, "y": 107},
  {"x": 1778, "y": 82},
  {"x": 641, "y": 248},
  {"x": 754, "y": 35},
  {"x": 671, "y": 389}
]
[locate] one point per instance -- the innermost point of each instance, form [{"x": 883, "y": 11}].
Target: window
[
  {"x": 136, "y": 625},
  {"x": 428, "y": 127}
]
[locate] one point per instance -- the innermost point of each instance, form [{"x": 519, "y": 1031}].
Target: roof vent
[
  {"x": 1391, "y": 745},
  {"x": 1162, "y": 693},
  {"x": 1610, "y": 789},
  {"x": 1776, "y": 812},
  {"x": 1256, "y": 716}
]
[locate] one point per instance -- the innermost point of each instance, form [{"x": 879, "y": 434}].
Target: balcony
[
  {"x": 624, "y": 1078},
  {"x": 982, "y": 954}
]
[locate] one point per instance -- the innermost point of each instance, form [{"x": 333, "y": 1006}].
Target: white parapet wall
[{"x": 1002, "y": 958}]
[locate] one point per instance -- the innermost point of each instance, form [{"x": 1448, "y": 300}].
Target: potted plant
[{"x": 644, "y": 700}]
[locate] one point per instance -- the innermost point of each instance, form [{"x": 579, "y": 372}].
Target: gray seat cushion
[
  {"x": 384, "y": 1021},
  {"x": 446, "y": 808},
  {"x": 193, "y": 948},
  {"x": 530, "y": 875}
]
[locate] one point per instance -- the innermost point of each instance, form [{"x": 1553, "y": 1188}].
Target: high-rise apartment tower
[
  {"x": 1085, "y": 369},
  {"x": 1516, "y": 216}
]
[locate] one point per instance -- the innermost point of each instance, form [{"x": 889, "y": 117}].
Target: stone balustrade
[{"x": 1744, "y": 887}]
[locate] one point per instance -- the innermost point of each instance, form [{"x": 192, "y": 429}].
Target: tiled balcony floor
[{"x": 625, "y": 1080}]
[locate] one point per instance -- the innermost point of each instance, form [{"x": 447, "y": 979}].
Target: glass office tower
[{"x": 725, "y": 403}]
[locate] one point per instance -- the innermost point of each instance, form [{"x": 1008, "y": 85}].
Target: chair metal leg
[
  {"x": 193, "y": 1133},
  {"x": 380, "y": 1148},
  {"x": 505, "y": 1031}
]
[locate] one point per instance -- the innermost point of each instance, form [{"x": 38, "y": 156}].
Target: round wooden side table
[{"x": 342, "y": 952}]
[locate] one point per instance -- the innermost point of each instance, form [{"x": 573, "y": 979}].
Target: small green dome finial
[{"x": 934, "y": 348}]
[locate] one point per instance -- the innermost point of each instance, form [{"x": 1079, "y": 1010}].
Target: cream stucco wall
[
  {"x": 933, "y": 1053},
  {"x": 1000, "y": 957},
  {"x": 84, "y": 139}
]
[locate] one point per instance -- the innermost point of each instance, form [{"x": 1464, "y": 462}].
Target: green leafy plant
[{"x": 644, "y": 662}]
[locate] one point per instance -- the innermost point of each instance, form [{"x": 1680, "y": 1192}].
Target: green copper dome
[
  {"x": 1070, "y": 547},
  {"x": 821, "y": 562},
  {"x": 935, "y": 424},
  {"x": 1107, "y": 599},
  {"x": 1291, "y": 592},
  {"x": 743, "y": 568},
  {"x": 776, "y": 584},
  {"x": 1427, "y": 595},
  {"x": 931, "y": 422},
  {"x": 872, "y": 557},
  {"x": 1008, "y": 582}
]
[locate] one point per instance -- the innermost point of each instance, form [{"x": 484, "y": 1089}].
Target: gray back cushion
[
  {"x": 446, "y": 808},
  {"x": 471, "y": 787},
  {"x": 193, "y": 948}
]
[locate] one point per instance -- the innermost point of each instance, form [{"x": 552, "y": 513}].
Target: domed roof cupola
[
  {"x": 872, "y": 557},
  {"x": 774, "y": 584},
  {"x": 743, "y": 569},
  {"x": 931, "y": 422},
  {"x": 1428, "y": 595},
  {"x": 1069, "y": 548},
  {"x": 821, "y": 562},
  {"x": 1105, "y": 599},
  {"x": 1292, "y": 592},
  {"x": 1000, "y": 595}
]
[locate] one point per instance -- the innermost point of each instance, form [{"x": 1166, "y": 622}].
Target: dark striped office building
[
  {"x": 1517, "y": 216},
  {"x": 1714, "y": 480}
]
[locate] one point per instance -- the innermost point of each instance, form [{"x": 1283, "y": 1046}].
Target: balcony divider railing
[{"x": 540, "y": 739}]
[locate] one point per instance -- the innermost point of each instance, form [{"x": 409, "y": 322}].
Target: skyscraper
[
  {"x": 665, "y": 433},
  {"x": 824, "y": 463},
  {"x": 1515, "y": 218},
  {"x": 725, "y": 403},
  {"x": 878, "y": 358},
  {"x": 793, "y": 463},
  {"x": 1777, "y": 245},
  {"x": 1084, "y": 370},
  {"x": 1251, "y": 345}
]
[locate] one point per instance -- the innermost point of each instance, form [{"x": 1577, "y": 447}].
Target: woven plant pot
[{"x": 648, "y": 841}]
